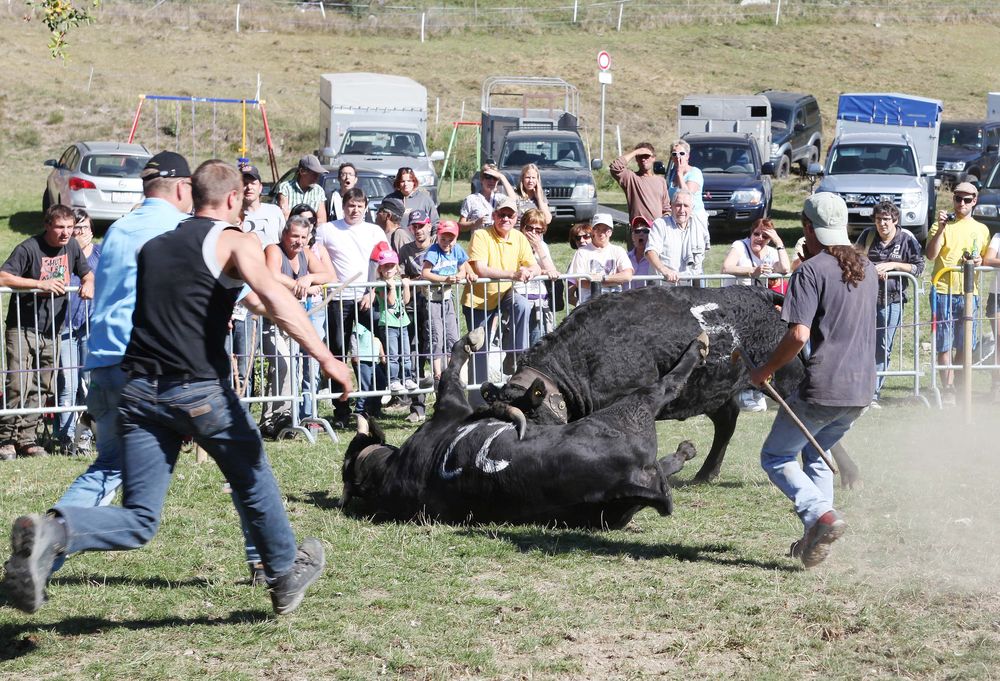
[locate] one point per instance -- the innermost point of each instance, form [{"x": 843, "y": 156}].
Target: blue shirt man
[{"x": 167, "y": 186}]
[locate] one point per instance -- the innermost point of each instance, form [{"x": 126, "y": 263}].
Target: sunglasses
[
  {"x": 583, "y": 237},
  {"x": 641, "y": 230},
  {"x": 675, "y": 154},
  {"x": 965, "y": 199}
]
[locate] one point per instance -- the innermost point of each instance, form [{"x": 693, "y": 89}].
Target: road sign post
[{"x": 605, "y": 79}]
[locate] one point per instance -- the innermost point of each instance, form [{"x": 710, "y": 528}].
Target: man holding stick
[{"x": 830, "y": 307}]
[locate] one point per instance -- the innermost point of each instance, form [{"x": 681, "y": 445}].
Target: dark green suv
[{"x": 796, "y": 131}]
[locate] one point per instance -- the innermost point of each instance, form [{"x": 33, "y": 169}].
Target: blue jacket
[{"x": 115, "y": 280}]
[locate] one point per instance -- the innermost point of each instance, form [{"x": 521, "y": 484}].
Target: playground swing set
[{"x": 244, "y": 158}]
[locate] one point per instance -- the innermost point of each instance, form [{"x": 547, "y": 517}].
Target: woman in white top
[
  {"x": 752, "y": 259},
  {"x": 757, "y": 256},
  {"x": 600, "y": 262},
  {"x": 533, "y": 226}
]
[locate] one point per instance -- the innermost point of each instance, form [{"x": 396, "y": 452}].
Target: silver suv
[{"x": 100, "y": 177}]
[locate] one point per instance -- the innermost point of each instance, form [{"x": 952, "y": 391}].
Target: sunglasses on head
[{"x": 965, "y": 199}]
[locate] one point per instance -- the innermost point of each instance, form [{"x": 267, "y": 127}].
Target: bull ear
[
  {"x": 537, "y": 393},
  {"x": 490, "y": 392}
]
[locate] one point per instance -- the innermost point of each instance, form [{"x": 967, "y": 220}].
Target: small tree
[{"x": 60, "y": 16}]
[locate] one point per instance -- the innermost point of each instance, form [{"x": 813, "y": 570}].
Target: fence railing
[{"x": 43, "y": 375}]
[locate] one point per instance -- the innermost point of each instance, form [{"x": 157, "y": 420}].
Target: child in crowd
[
  {"x": 392, "y": 315},
  {"x": 446, "y": 263},
  {"x": 366, "y": 352}
]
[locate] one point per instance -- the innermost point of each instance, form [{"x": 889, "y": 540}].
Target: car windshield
[
  {"x": 968, "y": 136},
  {"x": 781, "y": 117},
  {"x": 375, "y": 187},
  {"x": 551, "y": 153},
  {"x": 994, "y": 180},
  {"x": 879, "y": 159},
  {"x": 113, "y": 165},
  {"x": 382, "y": 143},
  {"x": 722, "y": 158}
]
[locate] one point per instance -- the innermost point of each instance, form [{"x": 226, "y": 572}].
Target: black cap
[
  {"x": 166, "y": 164},
  {"x": 251, "y": 171},
  {"x": 393, "y": 207}
]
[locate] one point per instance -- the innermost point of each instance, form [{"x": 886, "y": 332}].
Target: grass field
[{"x": 910, "y": 592}]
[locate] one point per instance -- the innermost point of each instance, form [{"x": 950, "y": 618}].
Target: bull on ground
[
  {"x": 463, "y": 466},
  {"x": 606, "y": 348}
]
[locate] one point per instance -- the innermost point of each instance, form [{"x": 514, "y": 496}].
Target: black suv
[
  {"x": 796, "y": 130},
  {"x": 967, "y": 150}
]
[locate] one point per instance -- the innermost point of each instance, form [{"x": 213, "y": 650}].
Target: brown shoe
[
  {"x": 815, "y": 545},
  {"x": 32, "y": 449},
  {"x": 8, "y": 452}
]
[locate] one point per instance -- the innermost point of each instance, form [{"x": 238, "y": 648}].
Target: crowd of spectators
[{"x": 387, "y": 295}]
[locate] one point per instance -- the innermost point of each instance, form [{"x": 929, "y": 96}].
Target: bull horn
[
  {"x": 362, "y": 425},
  {"x": 517, "y": 416},
  {"x": 476, "y": 338}
]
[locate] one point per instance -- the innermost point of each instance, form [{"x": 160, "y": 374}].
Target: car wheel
[
  {"x": 813, "y": 157},
  {"x": 784, "y": 167},
  {"x": 46, "y": 201}
]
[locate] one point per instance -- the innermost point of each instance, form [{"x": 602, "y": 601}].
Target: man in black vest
[{"x": 188, "y": 282}]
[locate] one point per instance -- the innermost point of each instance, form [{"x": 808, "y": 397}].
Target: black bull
[
  {"x": 462, "y": 466},
  {"x": 618, "y": 342}
]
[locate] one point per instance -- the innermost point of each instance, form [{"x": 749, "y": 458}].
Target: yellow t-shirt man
[
  {"x": 505, "y": 253},
  {"x": 960, "y": 237}
]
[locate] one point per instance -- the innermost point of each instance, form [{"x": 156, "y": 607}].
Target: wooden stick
[
  {"x": 773, "y": 394},
  {"x": 330, "y": 294}
]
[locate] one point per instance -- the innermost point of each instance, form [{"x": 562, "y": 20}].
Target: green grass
[{"x": 706, "y": 593}]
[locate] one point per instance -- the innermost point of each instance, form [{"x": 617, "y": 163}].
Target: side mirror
[
  {"x": 437, "y": 155},
  {"x": 767, "y": 169},
  {"x": 326, "y": 154},
  {"x": 596, "y": 164},
  {"x": 51, "y": 162},
  {"x": 814, "y": 170},
  {"x": 928, "y": 170},
  {"x": 659, "y": 168}
]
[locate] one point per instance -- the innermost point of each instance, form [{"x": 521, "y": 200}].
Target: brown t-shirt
[
  {"x": 841, "y": 320},
  {"x": 647, "y": 195}
]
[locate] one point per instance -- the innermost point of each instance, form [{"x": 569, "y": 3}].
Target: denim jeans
[
  {"x": 157, "y": 413},
  {"x": 97, "y": 485},
  {"x": 887, "y": 321},
  {"x": 397, "y": 351},
  {"x": 810, "y": 486},
  {"x": 71, "y": 380},
  {"x": 310, "y": 368},
  {"x": 515, "y": 311}
]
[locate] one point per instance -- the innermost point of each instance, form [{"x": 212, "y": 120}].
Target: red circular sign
[{"x": 603, "y": 60}]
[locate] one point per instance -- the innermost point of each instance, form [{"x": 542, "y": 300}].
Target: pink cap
[
  {"x": 448, "y": 227},
  {"x": 388, "y": 257}
]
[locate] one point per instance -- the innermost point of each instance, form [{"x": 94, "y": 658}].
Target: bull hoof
[
  {"x": 703, "y": 339},
  {"x": 362, "y": 425},
  {"x": 475, "y": 339},
  {"x": 688, "y": 449},
  {"x": 850, "y": 480}
]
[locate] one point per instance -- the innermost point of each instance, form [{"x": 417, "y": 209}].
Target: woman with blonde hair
[{"x": 529, "y": 193}]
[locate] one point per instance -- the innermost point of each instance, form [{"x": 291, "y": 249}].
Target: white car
[{"x": 100, "y": 177}]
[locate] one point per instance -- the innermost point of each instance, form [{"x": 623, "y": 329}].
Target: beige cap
[
  {"x": 506, "y": 203},
  {"x": 966, "y": 188},
  {"x": 828, "y": 214}
]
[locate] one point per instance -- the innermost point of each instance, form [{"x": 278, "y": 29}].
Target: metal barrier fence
[
  {"x": 42, "y": 366},
  {"x": 948, "y": 315}
]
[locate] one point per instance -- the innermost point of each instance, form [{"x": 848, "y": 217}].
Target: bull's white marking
[
  {"x": 698, "y": 312},
  {"x": 483, "y": 462}
]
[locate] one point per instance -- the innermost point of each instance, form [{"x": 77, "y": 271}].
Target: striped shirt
[{"x": 314, "y": 197}]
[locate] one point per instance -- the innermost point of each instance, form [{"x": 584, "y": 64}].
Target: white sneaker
[
  {"x": 752, "y": 400},
  {"x": 410, "y": 384},
  {"x": 396, "y": 387}
]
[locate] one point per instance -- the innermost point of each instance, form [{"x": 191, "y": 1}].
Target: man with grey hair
[
  {"x": 830, "y": 306},
  {"x": 677, "y": 244}
]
